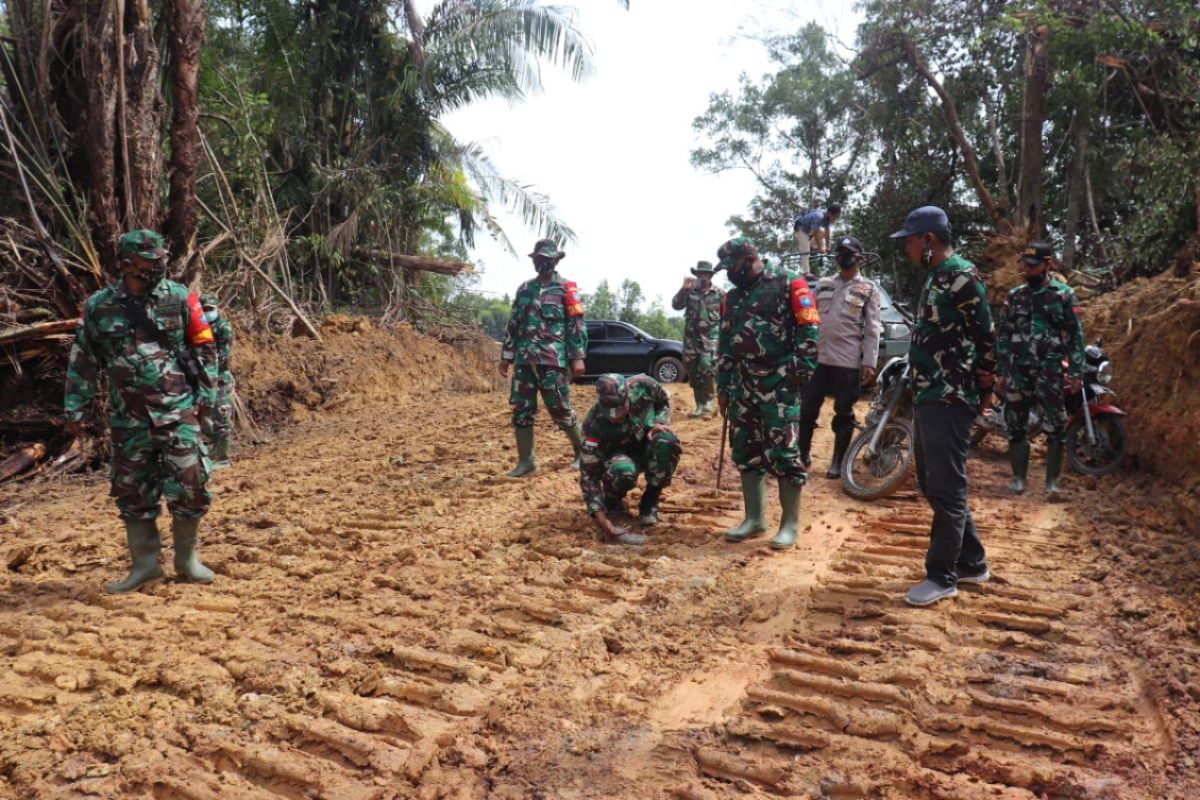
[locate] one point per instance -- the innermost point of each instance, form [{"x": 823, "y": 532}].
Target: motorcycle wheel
[
  {"x": 1108, "y": 452},
  {"x": 870, "y": 477}
]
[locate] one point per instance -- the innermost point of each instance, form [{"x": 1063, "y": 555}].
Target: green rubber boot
[
  {"x": 754, "y": 493},
  {"x": 789, "y": 517},
  {"x": 219, "y": 452},
  {"x": 144, "y": 545},
  {"x": 698, "y": 394},
  {"x": 710, "y": 391},
  {"x": 1054, "y": 456},
  {"x": 187, "y": 563},
  {"x": 575, "y": 434},
  {"x": 1018, "y": 455},
  {"x": 525, "y": 463}
]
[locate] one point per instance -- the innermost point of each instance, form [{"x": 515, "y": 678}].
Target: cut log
[
  {"x": 21, "y": 460},
  {"x": 442, "y": 266}
]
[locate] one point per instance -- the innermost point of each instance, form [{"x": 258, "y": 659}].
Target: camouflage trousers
[
  {"x": 764, "y": 434},
  {"x": 658, "y": 458},
  {"x": 701, "y": 369},
  {"x": 149, "y": 463},
  {"x": 222, "y": 419},
  {"x": 554, "y": 385},
  {"x": 1040, "y": 388}
]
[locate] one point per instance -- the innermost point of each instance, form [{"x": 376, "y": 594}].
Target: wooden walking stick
[{"x": 721, "y": 455}]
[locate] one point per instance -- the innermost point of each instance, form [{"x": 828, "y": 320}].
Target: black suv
[{"x": 615, "y": 346}]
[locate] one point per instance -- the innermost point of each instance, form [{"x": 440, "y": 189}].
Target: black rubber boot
[
  {"x": 525, "y": 462},
  {"x": 805, "y": 442},
  {"x": 187, "y": 563},
  {"x": 575, "y": 434},
  {"x": 841, "y": 442},
  {"x": 1054, "y": 456},
  {"x": 1018, "y": 456},
  {"x": 648, "y": 505},
  {"x": 144, "y": 545}
]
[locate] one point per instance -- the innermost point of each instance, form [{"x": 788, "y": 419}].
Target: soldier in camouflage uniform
[
  {"x": 703, "y": 303},
  {"x": 545, "y": 332},
  {"x": 221, "y": 419},
  {"x": 767, "y": 349},
  {"x": 953, "y": 363},
  {"x": 144, "y": 331},
  {"x": 627, "y": 431},
  {"x": 1039, "y": 330}
]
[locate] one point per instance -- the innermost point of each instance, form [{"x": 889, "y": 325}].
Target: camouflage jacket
[
  {"x": 1039, "y": 326},
  {"x": 145, "y": 381},
  {"x": 768, "y": 333},
  {"x": 702, "y": 318},
  {"x": 649, "y": 405},
  {"x": 954, "y": 341},
  {"x": 546, "y": 326}
]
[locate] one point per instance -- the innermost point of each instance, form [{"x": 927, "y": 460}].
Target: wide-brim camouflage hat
[
  {"x": 734, "y": 250},
  {"x": 703, "y": 266},
  {"x": 142, "y": 243},
  {"x": 612, "y": 398},
  {"x": 546, "y": 248}
]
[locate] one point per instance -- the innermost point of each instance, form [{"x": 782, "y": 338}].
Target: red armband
[
  {"x": 198, "y": 331},
  {"x": 574, "y": 301},
  {"x": 804, "y": 307}
]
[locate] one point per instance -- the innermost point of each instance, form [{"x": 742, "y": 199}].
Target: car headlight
[
  {"x": 1104, "y": 372},
  {"x": 895, "y": 330}
]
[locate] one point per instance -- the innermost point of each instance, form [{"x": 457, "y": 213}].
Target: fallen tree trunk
[
  {"x": 38, "y": 331},
  {"x": 21, "y": 460},
  {"x": 442, "y": 266}
]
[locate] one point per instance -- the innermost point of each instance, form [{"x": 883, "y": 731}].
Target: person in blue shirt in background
[{"x": 812, "y": 232}]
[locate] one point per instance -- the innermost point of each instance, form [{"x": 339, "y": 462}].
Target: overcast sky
[{"x": 613, "y": 151}]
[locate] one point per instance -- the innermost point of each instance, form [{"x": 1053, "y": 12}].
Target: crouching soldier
[
  {"x": 149, "y": 335},
  {"x": 628, "y": 431}
]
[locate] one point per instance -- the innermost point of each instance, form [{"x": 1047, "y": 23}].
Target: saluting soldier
[
  {"x": 702, "y": 303},
  {"x": 545, "y": 333},
  {"x": 767, "y": 350},
  {"x": 148, "y": 334},
  {"x": 627, "y": 432},
  {"x": 1039, "y": 330}
]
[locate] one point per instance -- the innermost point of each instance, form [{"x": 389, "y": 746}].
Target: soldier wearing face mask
[
  {"x": 545, "y": 334},
  {"x": 149, "y": 335},
  {"x": 846, "y": 353}
]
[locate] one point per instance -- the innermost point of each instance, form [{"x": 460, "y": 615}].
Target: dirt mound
[
  {"x": 1150, "y": 328},
  {"x": 357, "y": 363}
]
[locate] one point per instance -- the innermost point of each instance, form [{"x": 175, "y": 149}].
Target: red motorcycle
[{"x": 1095, "y": 437}]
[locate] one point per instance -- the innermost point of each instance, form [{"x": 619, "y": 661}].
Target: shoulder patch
[
  {"x": 573, "y": 300},
  {"x": 804, "y": 309}
]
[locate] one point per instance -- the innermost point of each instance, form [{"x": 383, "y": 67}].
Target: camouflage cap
[
  {"x": 734, "y": 250},
  {"x": 612, "y": 398},
  {"x": 208, "y": 300},
  {"x": 703, "y": 266},
  {"x": 142, "y": 242},
  {"x": 546, "y": 248},
  {"x": 1037, "y": 253}
]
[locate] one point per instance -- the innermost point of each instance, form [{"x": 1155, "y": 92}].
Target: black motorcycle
[{"x": 880, "y": 458}]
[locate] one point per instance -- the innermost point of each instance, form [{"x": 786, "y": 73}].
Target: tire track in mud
[
  {"x": 393, "y": 618},
  {"x": 1013, "y": 689}
]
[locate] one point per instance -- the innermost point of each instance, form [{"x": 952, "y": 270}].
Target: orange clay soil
[{"x": 392, "y": 618}]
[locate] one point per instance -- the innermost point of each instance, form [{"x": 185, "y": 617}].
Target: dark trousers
[
  {"x": 844, "y": 383},
  {"x": 943, "y": 435}
]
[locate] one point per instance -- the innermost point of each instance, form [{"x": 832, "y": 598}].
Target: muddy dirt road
[{"x": 391, "y": 619}]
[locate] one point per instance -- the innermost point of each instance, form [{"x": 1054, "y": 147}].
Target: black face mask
[
  {"x": 847, "y": 260},
  {"x": 1036, "y": 280},
  {"x": 743, "y": 278},
  {"x": 544, "y": 266}
]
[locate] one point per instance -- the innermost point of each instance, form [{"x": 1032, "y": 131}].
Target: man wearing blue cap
[{"x": 953, "y": 362}]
